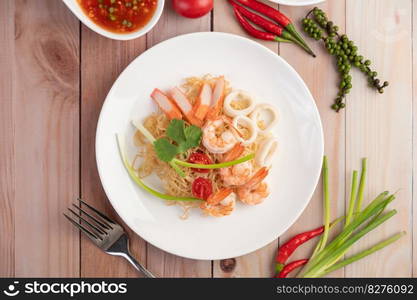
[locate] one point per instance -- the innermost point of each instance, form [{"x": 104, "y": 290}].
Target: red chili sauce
[{"x": 120, "y": 16}]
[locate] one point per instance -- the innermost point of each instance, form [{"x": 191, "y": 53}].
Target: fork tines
[{"x": 96, "y": 227}]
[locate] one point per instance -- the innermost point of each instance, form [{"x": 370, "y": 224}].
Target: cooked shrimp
[
  {"x": 203, "y": 102},
  {"x": 217, "y": 99},
  {"x": 216, "y": 138},
  {"x": 220, "y": 203},
  {"x": 185, "y": 106},
  {"x": 237, "y": 174},
  {"x": 255, "y": 190},
  {"x": 166, "y": 105}
]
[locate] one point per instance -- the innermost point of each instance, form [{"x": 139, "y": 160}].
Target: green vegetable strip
[
  {"x": 369, "y": 211},
  {"x": 361, "y": 186},
  {"x": 326, "y": 208},
  {"x": 316, "y": 249},
  {"x": 177, "y": 169},
  {"x": 363, "y": 254},
  {"x": 353, "y": 192},
  {"x": 139, "y": 182},
  {"x": 144, "y": 131},
  {"x": 214, "y": 166},
  {"x": 342, "y": 249}
]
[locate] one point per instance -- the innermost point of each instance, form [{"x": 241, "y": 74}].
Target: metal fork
[{"x": 105, "y": 234}]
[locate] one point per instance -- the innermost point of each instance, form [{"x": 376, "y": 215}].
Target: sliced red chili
[
  {"x": 200, "y": 158},
  {"x": 202, "y": 188}
]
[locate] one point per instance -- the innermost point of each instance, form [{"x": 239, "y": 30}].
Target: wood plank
[
  {"x": 161, "y": 263},
  {"x": 321, "y": 77},
  {"x": 46, "y": 103},
  {"x": 102, "y": 60},
  {"x": 7, "y": 149},
  {"x": 380, "y": 126},
  {"x": 258, "y": 263},
  {"x": 414, "y": 213}
]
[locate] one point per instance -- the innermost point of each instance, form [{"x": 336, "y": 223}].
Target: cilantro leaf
[
  {"x": 185, "y": 138},
  {"x": 176, "y": 132},
  {"x": 193, "y": 136},
  {"x": 165, "y": 150}
]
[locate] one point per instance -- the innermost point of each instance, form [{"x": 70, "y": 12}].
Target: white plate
[
  {"x": 297, "y": 2},
  {"x": 247, "y": 65}
]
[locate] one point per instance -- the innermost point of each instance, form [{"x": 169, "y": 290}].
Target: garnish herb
[
  {"x": 140, "y": 183},
  {"x": 184, "y": 139}
]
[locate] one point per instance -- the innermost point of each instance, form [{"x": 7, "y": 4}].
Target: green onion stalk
[
  {"x": 358, "y": 223},
  {"x": 140, "y": 183}
]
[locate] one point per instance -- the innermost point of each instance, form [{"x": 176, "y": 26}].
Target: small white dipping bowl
[{"x": 76, "y": 9}]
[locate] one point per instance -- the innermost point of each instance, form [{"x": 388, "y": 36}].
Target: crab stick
[
  {"x": 166, "y": 105},
  {"x": 217, "y": 98},
  {"x": 203, "y": 103},
  {"x": 185, "y": 106}
]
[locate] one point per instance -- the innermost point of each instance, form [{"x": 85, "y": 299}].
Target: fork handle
[{"x": 138, "y": 266}]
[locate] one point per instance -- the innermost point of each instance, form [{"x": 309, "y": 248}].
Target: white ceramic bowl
[
  {"x": 297, "y": 2},
  {"x": 76, "y": 9}
]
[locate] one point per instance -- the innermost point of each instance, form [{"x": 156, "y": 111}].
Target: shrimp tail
[
  {"x": 256, "y": 179},
  {"x": 219, "y": 196},
  {"x": 234, "y": 153}
]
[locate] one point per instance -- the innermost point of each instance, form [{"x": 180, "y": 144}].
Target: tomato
[
  {"x": 202, "y": 188},
  {"x": 200, "y": 158},
  {"x": 192, "y": 8}
]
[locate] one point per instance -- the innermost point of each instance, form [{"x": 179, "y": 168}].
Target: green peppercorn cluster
[{"x": 345, "y": 52}]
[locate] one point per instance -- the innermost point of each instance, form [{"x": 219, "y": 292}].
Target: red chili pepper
[
  {"x": 267, "y": 25},
  {"x": 202, "y": 188},
  {"x": 278, "y": 17},
  {"x": 258, "y": 20},
  {"x": 291, "y": 245},
  {"x": 199, "y": 158},
  {"x": 291, "y": 267},
  {"x": 268, "y": 11},
  {"x": 267, "y": 36}
]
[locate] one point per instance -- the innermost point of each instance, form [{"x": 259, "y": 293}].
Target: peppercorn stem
[
  {"x": 353, "y": 192},
  {"x": 361, "y": 186},
  {"x": 363, "y": 254}
]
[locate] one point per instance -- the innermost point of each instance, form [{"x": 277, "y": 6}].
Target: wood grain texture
[
  {"x": 7, "y": 149},
  {"x": 52, "y": 89},
  {"x": 161, "y": 263},
  {"x": 414, "y": 213},
  {"x": 258, "y": 263},
  {"x": 46, "y": 138},
  {"x": 102, "y": 60},
  {"x": 321, "y": 77},
  {"x": 380, "y": 126}
]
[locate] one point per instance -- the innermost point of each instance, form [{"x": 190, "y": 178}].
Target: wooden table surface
[{"x": 55, "y": 74}]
